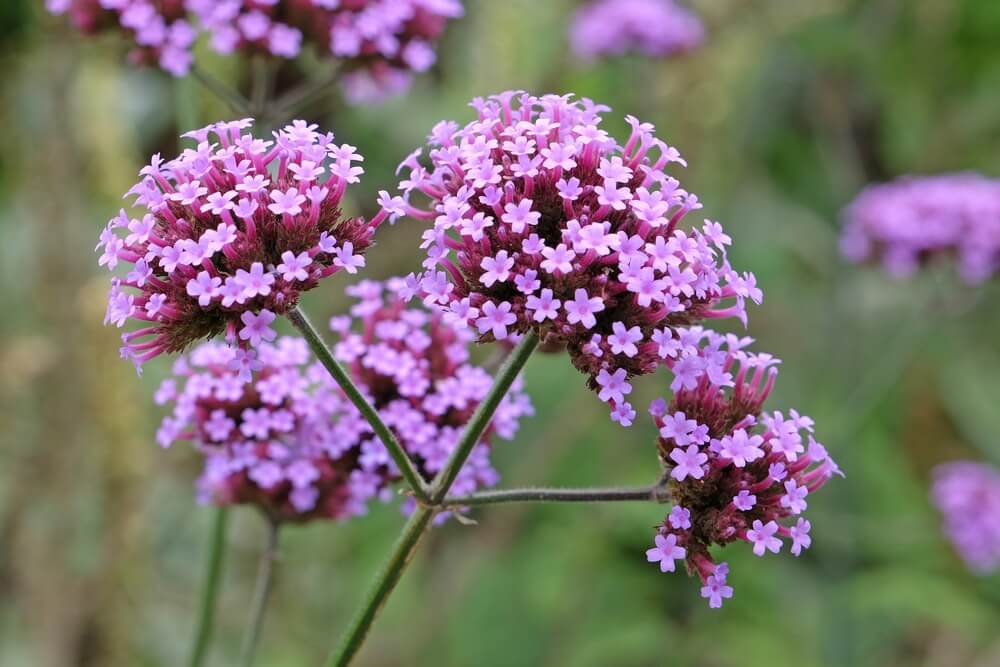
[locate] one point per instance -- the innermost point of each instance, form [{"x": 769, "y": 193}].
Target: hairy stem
[
  {"x": 262, "y": 592},
  {"x": 292, "y": 101},
  {"x": 483, "y": 415},
  {"x": 385, "y": 581},
  {"x": 229, "y": 95},
  {"x": 210, "y": 588},
  {"x": 654, "y": 493},
  {"x": 322, "y": 352},
  {"x": 402, "y": 552}
]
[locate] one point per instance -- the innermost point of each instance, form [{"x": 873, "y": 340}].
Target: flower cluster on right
[
  {"x": 736, "y": 473},
  {"x": 656, "y": 28},
  {"x": 913, "y": 220},
  {"x": 968, "y": 496}
]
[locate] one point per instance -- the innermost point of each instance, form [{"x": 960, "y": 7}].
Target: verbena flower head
[
  {"x": 159, "y": 29},
  {"x": 292, "y": 443},
  {"x": 915, "y": 219},
  {"x": 968, "y": 496},
  {"x": 286, "y": 442},
  {"x": 380, "y": 42},
  {"x": 543, "y": 222},
  {"x": 228, "y": 235},
  {"x": 414, "y": 366},
  {"x": 657, "y": 28},
  {"x": 736, "y": 473}
]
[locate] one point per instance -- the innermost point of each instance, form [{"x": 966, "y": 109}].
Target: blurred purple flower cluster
[
  {"x": 912, "y": 220},
  {"x": 229, "y": 235},
  {"x": 736, "y": 473},
  {"x": 656, "y": 28},
  {"x": 160, "y": 30},
  {"x": 968, "y": 496},
  {"x": 290, "y": 442},
  {"x": 379, "y": 42},
  {"x": 543, "y": 222}
]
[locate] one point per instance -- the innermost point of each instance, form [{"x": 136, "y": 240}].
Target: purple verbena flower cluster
[
  {"x": 657, "y": 28},
  {"x": 968, "y": 496},
  {"x": 285, "y": 442},
  {"x": 159, "y": 29},
  {"x": 380, "y": 42},
  {"x": 229, "y": 235},
  {"x": 291, "y": 443},
  {"x": 914, "y": 219},
  {"x": 736, "y": 473},
  {"x": 414, "y": 364},
  {"x": 543, "y": 222}
]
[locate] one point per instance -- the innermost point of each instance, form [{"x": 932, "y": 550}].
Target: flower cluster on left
[
  {"x": 223, "y": 246},
  {"x": 292, "y": 444}
]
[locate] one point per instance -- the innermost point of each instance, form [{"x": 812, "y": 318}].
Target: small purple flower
[
  {"x": 688, "y": 463},
  {"x": 800, "y": 536},
  {"x": 716, "y": 590},
  {"x": 665, "y": 552},
  {"x": 761, "y": 536}
]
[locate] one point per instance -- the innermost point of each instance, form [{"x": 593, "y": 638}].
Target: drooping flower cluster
[
  {"x": 222, "y": 244},
  {"x": 736, "y": 473},
  {"x": 968, "y": 496},
  {"x": 656, "y": 28},
  {"x": 291, "y": 443},
  {"x": 414, "y": 364},
  {"x": 160, "y": 30},
  {"x": 914, "y": 219},
  {"x": 542, "y": 222}
]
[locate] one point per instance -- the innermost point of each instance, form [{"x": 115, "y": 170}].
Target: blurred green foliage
[{"x": 786, "y": 112}]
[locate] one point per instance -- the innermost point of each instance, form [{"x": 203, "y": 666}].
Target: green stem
[
  {"x": 402, "y": 552},
  {"x": 385, "y": 581},
  {"x": 322, "y": 352},
  {"x": 230, "y": 96},
  {"x": 263, "y": 79},
  {"x": 262, "y": 592},
  {"x": 210, "y": 588},
  {"x": 655, "y": 493},
  {"x": 292, "y": 101},
  {"x": 483, "y": 415}
]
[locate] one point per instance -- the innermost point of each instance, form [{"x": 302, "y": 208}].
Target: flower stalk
[
  {"x": 416, "y": 526},
  {"x": 262, "y": 593},
  {"x": 653, "y": 493},
  {"x": 210, "y": 588},
  {"x": 399, "y": 456}
]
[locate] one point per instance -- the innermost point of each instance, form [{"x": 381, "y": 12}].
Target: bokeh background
[{"x": 785, "y": 113}]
